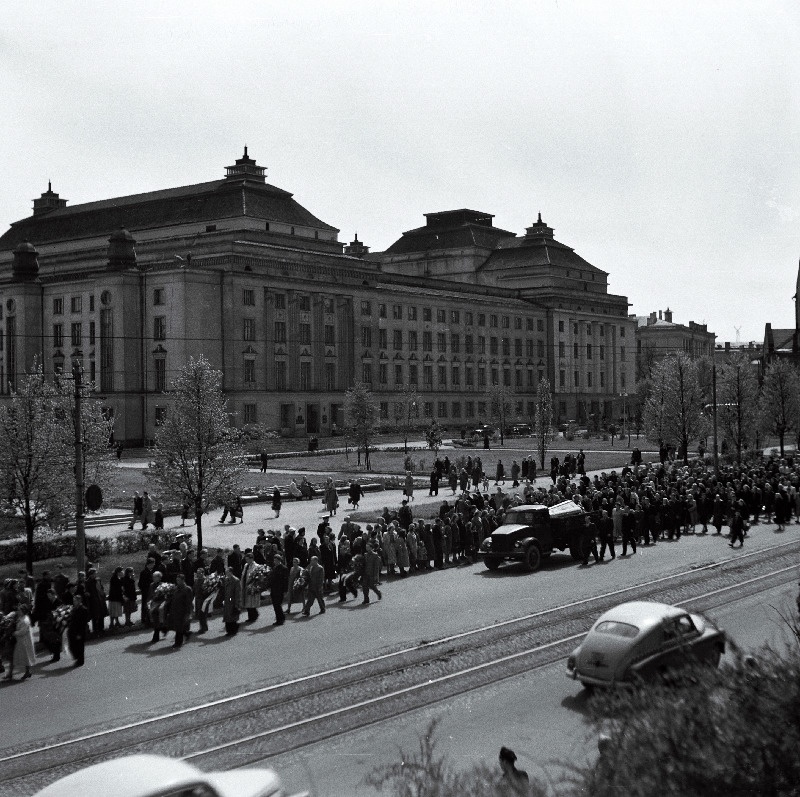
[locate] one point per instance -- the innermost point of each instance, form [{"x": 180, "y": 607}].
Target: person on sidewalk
[
  {"x": 278, "y": 584},
  {"x": 372, "y": 573},
  {"x": 77, "y": 627},
  {"x": 181, "y": 609},
  {"x": 315, "y": 586}
]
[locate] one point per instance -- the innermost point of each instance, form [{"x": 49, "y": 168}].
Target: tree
[
  {"x": 500, "y": 407},
  {"x": 543, "y": 419},
  {"x": 737, "y": 402},
  {"x": 779, "y": 402},
  {"x": 197, "y": 455},
  {"x": 409, "y": 405},
  {"x": 37, "y": 448},
  {"x": 361, "y": 417},
  {"x": 433, "y": 437},
  {"x": 674, "y": 410}
]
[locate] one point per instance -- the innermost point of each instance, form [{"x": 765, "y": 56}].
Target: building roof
[
  {"x": 232, "y": 197},
  {"x": 536, "y": 252},
  {"x": 782, "y": 339},
  {"x": 451, "y": 232}
]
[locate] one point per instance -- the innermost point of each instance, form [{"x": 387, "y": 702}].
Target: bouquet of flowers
[
  {"x": 258, "y": 580},
  {"x": 8, "y": 623},
  {"x": 301, "y": 582},
  {"x": 163, "y": 592},
  {"x": 61, "y": 615},
  {"x": 211, "y": 584}
]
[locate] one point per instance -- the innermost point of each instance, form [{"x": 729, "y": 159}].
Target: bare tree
[
  {"x": 737, "y": 402},
  {"x": 361, "y": 417},
  {"x": 433, "y": 437},
  {"x": 674, "y": 410},
  {"x": 197, "y": 455},
  {"x": 543, "y": 419},
  {"x": 500, "y": 407},
  {"x": 779, "y": 401}
]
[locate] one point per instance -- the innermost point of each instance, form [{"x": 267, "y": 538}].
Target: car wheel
[
  {"x": 492, "y": 563},
  {"x": 533, "y": 557}
]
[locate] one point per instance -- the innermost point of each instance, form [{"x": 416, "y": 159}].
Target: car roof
[
  {"x": 525, "y": 507},
  {"x": 645, "y": 615},
  {"x": 131, "y": 776}
]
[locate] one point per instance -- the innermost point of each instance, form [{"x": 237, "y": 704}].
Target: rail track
[{"x": 267, "y": 720}]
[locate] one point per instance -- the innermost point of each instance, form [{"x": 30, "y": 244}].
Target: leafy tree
[
  {"x": 433, "y": 437},
  {"x": 361, "y": 417},
  {"x": 779, "y": 401},
  {"x": 500, "y": 406},
  {"x": 674, "y": 410},
  {"x": 197, "y": 455},
  {"x": 737, "y": 402},
  {"x": 543, "y": 419},
  {"x": 37, "y": 448}
]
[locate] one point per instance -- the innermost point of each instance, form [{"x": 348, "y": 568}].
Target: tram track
[{"x": 265, "y": 721}]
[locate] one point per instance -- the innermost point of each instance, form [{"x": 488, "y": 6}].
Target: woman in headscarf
[
  {"x": 276, "y": 501},
  {"x": 24, "y": 655}
]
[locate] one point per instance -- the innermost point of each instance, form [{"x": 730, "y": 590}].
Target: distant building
[
  {"x": 784, "y": 343},
  {"x": 235, "y": 269},
  {"x": 657, "y": 335}
]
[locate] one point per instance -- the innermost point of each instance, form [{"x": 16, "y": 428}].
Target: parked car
[
  {"x": 160, "y": 776},
  {"x": 641, "y": 640},
  {"x": 519, "y": 430}
]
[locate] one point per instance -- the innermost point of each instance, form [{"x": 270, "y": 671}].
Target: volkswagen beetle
[{"x": 643, "y": 640}]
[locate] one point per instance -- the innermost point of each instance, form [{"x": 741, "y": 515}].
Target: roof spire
[
  {"x": 245, "y": 150},
  {"x": 539, "y": 220}
]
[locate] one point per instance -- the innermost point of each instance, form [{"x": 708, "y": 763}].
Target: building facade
[
  {"x": 657, "y": 335},
  {"x": 236, "y": 270}
]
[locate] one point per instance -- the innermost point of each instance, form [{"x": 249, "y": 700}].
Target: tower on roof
[
  {"x": 356, "y": 248},
  {"x": 48, "y": 201},
  {"x": 539, "y": 230},
  {"x": 246, "y": 168}
]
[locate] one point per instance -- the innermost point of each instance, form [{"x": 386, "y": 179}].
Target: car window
[
  {"x": 617, "y": 629},
  {"x": 686, "y": 626},
  {"x": 200, "y": 790},
  {"x": 670, "y": 629},
  {"x": 524, "y": 518}
]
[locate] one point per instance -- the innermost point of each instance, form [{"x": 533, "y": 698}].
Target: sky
[{"x": 659, "y": 140}]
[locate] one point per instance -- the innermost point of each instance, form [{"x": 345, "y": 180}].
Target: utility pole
[
  {"x": 80, "y": 531},
  {"x": 714, "y": 399}
]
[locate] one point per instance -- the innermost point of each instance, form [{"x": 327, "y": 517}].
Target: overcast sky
[{"x": 660, "y": 140}]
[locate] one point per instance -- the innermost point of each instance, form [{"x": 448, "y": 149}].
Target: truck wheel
[
  {"x": 492, "y": 563},
  {"x": 533, "y": 557}
]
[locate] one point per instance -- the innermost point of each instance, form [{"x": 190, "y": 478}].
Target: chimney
[
  {"x": 659, "y": 315},
  {"x": 25, "y": 267},
  {"x": 651, "y": 318},
  {"x": 121, "y": 250},
  {"x": 668, "y": 315}
]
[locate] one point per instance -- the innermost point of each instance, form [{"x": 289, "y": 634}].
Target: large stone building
[
  {"x": 657, "y": 335},
  {"x": 235, "y": 269}
]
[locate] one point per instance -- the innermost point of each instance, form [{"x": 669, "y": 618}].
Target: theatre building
[{"x": 236, "y": 270}]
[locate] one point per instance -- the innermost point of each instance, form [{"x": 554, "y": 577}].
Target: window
[
  {"x": 305, "y": 334},
  {"x": 383, "y": 410},
  {"x": 397, "y": 312},
  {"x": 589, "y": 379},
  {"x": 588, "y": 351},
  {"x": 575, "y": 351},
  {"x": 506, "y": 322},
  {"x": 397, "y": 340},
  {"x": 58, "y": 306},
  {"x": 427, "y": 341},
  {"x": 426, "y": 313},
  {"x": 456, "y": 409},
  {"x": 366, "y": 337},
  {"x": 468, "y": 319},
  {"x": 305, "y": 375},
  {"x": 381, "y": 338},
  {"x": 441, "y": 409},
  {"x": 602, "y": 331},
  {"x": 398, "y": 374},
  {"x": 249, "y": 415},
  {"x": 481, "y": 345},
  {"x": 506, "y": 347},
  {"x": 160, "y": 373},
  {"x": 160, "y": 327},
  {"x": 412, "y": 340},
  {"x": 304, "y": 302},
  {"x": 531, "y": 378},
  {"x": 327, "y": 305},
  {"x": 441, "y": 342},
  {"x": 622, "y": 353},
  {"x": 529, "y": 325},
  {"x": 160, "y": 415},
  {"x": 562, "y": 378},
  {"x": 427, "y": 376},
  {"x": 412, "y": 313},
  {"x": 249, "y": 329},
  {"x": 495, "y": 375},
  {"x": 602, "y": 351},
  {"x": 455, "y": 317},
  {"x": 441, "y": 316},
  {"x": 468, "y": 376},
  {"x": 280, "y": 332},
  {"x": 468, "y": 344},
  {"x": 330, "y": 335},
  {"x": 469, "y": 409},
  {"x": 427, "y": 409},
  {"x": 366, "y": 373},
  {"x": 481, "y": 320},
  {"x": 76, "y": 330},
  {"x": 541, "y": 375},
  {"x": 91, "y": 303},
  {"x": 529, "y": 348},
  {"x": 249, "y": 370},
  {"x": 602, "y": 379},
  {"x": 622, "y": 380},
  {"x": 366, "y": 308},
  {"x": 76, "y": 304},
  {"x": 492, "y": 345},
  {"x": 517, "y": 323},
  {"x": 622, "y": 332},
  {"x": 211, "y": 227},
  {"x": 577, "y": 379},
  {"x": 507, "y": 377},
  {"x": 575, "y": 329},
  {"x": 492, "y": 320},
  {"x": 158, "y": 296},
  {"x": 588, "y": 327},
  {"x": 540, "y": 348},
  {"x": 481, "y": 409},
  {"x": 562, "y": 353},
  {"x": 91, "y": 334},
  {"x": 330, "y": 376},
  {"x": 249, "y": 297},
  {"x": 383, "y": 374},
  {"x": 381, "y": 311},
  {"x": 280, "y": 301},
  {"x": 539, "y": 325},
  {"x": 455, "y": 343},
  {"x": 481, "y": 377},
  {"x": 412, "y": 374},
  {"x": 442, "y": 376},
  {"x": 92, "y": 371},
  {"x": 518, "y": 377},
  {"x": 280, "y": 375},
  {"x": 560, "y": 326}
]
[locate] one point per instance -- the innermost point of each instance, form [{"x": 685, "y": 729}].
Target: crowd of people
[{"x": 641, "y": 505}]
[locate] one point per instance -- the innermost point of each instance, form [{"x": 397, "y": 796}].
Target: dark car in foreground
[{"x": 642, "y": 640}]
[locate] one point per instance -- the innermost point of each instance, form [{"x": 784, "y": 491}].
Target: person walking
[
  {"x": 606, "y": 529},
  {"x": 137, "y": 510},
  {"x": 147, "y": 510},
  {"x": 500, "y": 473},
  {"x": 408, "y": 486},
  {"x": 279, "y": 583},
  {"x": 315, "y": 586},
  {"x": 737, "y": 530},
  {"x": 515, "y": 471},
  {"x": 331, "y": 497},
  {"x": 276, "y": 501},
  {"x": 372, "y": 573},
  {"x": 264, "y": 461},
  {"x": 231, "y": 602},
  {"x": 77, "y": 629},
  {"x": 355, "y": 493},
  {"x": 180, "y": 612}
]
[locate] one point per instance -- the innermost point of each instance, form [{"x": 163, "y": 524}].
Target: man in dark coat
[
  {"x": 606, "y": 529},
  {"x": 217, "y": 564},
  {"x": 405, "y": 515},
  {"x": 236, "y": 561},
  {"x": 76, "y": 629},
  {"x": 41, "y": 604},
  {"x": 96, "y": 596},
  {"x": 278, "y": 584},
  {"x": 145, "y": 580},
  {"x": 180, "y": 609},
  {"x": 314, "y": 589},
  {"x": 372, "y": 573}
]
